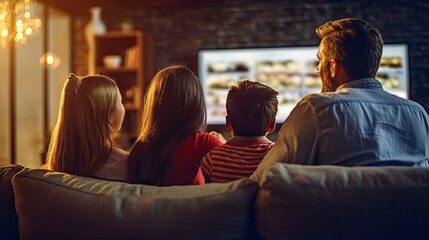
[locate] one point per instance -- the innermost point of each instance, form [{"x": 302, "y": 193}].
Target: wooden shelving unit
[{"x": 132, "y": 76}]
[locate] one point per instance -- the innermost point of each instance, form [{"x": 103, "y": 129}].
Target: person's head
[
  {"x": 251, "y": 109},
  {"x": 173, "y": 108},
  {"x": 174, "y": 102},
  {"x": 350, "y": 49},
  {"x": 90, "y": 112}
]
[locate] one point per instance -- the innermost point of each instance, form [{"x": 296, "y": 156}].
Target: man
[{"x": 353, "y": 121}]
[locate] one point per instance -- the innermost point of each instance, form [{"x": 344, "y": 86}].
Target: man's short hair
[
  {"x": 355, "y": 42},
  {"x": 251, "y": 108}
]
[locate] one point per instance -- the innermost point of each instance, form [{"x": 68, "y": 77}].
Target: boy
[{"x": 251, "y": 109}]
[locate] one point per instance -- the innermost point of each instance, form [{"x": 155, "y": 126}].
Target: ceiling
[{"x": 80, "y": 7}]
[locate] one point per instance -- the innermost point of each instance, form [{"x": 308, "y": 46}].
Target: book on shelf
[{"x": 131, "y": 57}]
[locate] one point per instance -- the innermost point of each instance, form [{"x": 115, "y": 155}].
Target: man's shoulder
[
  {"x": 317, "y": 96},
  {"x": 318, "y": 100},
  {"x": 356, "y": 98},
  {"x": 347, "y": 95}
]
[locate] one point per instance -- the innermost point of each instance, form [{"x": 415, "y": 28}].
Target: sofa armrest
[{"x": 8, "y": 217}]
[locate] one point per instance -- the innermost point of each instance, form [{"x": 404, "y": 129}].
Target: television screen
[{"x": 289, "y": 70}]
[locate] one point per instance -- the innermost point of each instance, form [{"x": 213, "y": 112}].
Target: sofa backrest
[
  {"x": 293, "y": 202},
  {"x": 53, "y": 205},
  {"x": 332, "y": 202},
  {"x": 8, "y": 217}
]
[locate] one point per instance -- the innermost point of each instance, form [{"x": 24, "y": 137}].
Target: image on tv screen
[{"x": 291, "y": 71}]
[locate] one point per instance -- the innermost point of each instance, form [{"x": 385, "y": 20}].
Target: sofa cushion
[
  {"x": 53, "y": 205},
  {"x": 8, "y": 217},
  {"x": 332, "y": 202}
]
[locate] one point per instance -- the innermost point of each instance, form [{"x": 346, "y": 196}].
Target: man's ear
[
  {"x": 337, "y": 72},
  {"x": 334, "y": 67},
  {"x": 272, "y": 127},
  {"x": 228, "y": 123}
]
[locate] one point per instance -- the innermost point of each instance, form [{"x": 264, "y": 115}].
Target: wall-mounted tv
[{"x": 289, "y": 70}]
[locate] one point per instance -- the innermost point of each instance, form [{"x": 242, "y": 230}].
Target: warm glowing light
[
  {"x": 18, "y": 20},
  {"x": 18, "y": 23},
  {"x": 50, "y": 60},
  {"x": 37, "y": 22},
  {"x": 4, "y": 33},
  {"x": 19, "y": 36}
]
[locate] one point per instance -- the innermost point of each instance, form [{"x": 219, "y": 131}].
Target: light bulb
[
  {"x": 4, "y": 32},
  {"x": 18, "y": 36},
  {"x": 50, "y": 60}
]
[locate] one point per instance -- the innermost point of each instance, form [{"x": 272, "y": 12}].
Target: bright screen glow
[{"x": 289, "y": 70}]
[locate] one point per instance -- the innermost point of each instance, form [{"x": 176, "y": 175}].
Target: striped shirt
[{"x": 238, "y": 158}]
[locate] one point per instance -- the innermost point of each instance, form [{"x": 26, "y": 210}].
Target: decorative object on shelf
[
  {"x": 112, "y": 61},
  {"x": 95, "y": 26},
  {"x": 18, "y": 20},
  {"x": 127, "y": 24}
]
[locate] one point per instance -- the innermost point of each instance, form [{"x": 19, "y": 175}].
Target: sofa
[{"x": 287, "y": 202}]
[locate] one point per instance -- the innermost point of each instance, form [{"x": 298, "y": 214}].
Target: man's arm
[{"x": 297, "y": 139}]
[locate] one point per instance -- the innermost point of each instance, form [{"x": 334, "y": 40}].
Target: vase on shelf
[{"x": 94, "y": 27}]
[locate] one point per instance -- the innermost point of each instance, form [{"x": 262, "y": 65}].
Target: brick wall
[{"x": 179, "y": 31}]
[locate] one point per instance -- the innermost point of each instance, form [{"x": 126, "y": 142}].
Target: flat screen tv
[{"x": 289, "y": 70}]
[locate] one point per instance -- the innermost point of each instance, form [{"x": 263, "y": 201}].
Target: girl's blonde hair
[
  {"x": 83, "y": 136},
  {"x": 174, "y": 107}
]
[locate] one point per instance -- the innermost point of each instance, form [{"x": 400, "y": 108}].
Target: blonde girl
[
  {"x": 82, "y": 142},
  {"x": 171, "y": 142}
]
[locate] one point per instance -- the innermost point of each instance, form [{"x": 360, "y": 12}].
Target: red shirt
[{"x": 185, "y": 164}]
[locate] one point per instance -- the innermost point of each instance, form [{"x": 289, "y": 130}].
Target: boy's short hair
[{"x": 251, "y": 108}]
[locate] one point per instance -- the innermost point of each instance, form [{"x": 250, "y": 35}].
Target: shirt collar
[
  {"x": 369, "y": 83},
  {"x": 247, "y": 139}
]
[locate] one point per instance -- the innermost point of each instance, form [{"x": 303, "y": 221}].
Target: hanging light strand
[{"x": 18, "y": 20}]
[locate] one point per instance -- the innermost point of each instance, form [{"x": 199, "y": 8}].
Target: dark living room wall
[{"x": 180, "y": 30}]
